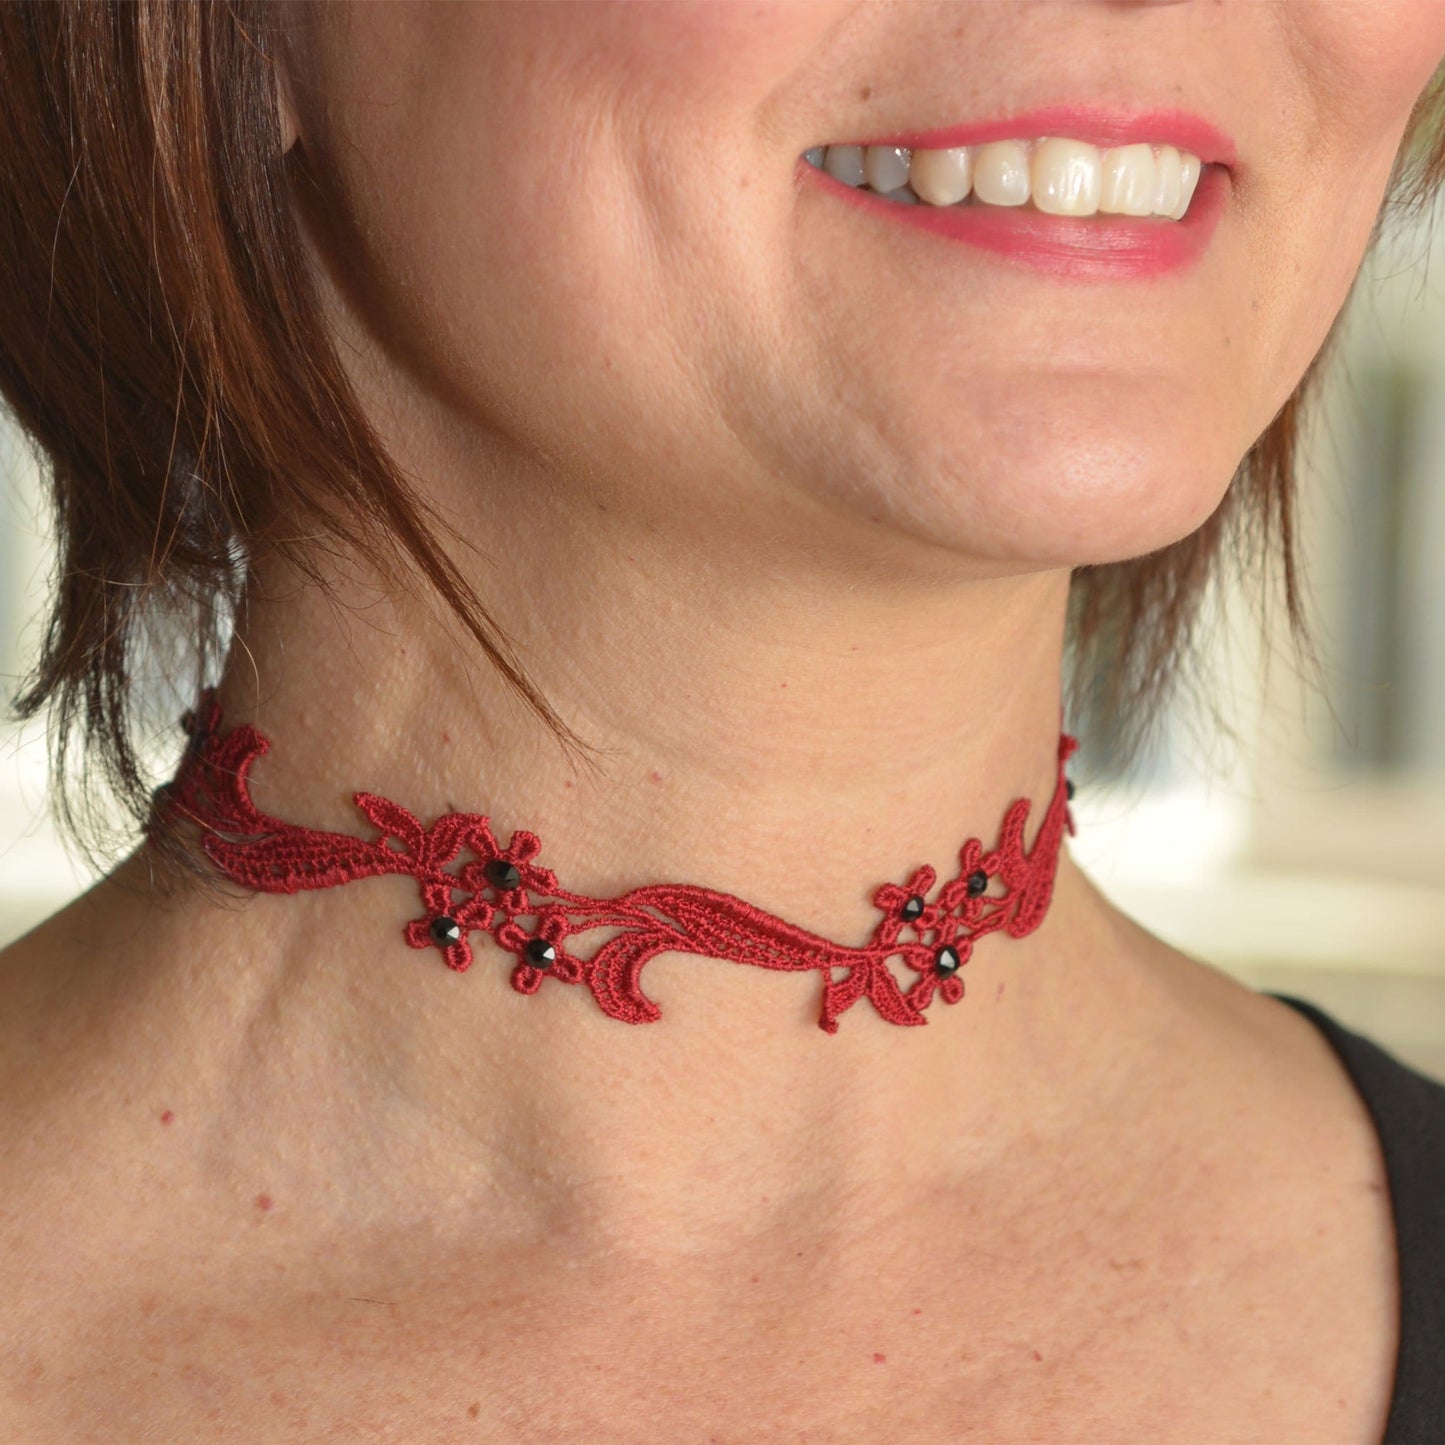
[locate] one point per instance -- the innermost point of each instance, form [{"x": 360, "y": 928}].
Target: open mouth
[{"x": 1051, "y": 175}]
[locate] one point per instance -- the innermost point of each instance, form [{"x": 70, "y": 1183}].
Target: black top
[{"x": 1409, "y": 1113}]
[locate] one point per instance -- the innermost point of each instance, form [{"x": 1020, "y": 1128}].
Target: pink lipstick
[{"x": 1099, "y": 247}]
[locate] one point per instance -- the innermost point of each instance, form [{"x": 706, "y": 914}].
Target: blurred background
[{"x": 1303, "y": 848}]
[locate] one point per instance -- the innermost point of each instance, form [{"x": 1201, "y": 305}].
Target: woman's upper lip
[{"x": 1100, "y": 125}]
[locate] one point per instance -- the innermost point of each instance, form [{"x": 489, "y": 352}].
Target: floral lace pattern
[{"x": 470, "y": 884}]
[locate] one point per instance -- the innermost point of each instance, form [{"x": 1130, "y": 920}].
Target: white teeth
[
  {"x": 1127, "y": 187},
  {"x": 885, "y": 168},
  {"x": 1189, "y": 169},
  {"x": 845, "y": 163},
  {"x": 1166, "y": 181},
  {"x": 1060, "y": 176},
  {"x": 941, "y": 177},
  {"x": 1064, "y": 177},
  {"x": 1001, "y": 173}
]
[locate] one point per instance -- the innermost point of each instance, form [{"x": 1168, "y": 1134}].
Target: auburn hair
[{"x": 164, "y": 349}]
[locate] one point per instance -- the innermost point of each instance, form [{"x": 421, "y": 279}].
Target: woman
[{"x": 554, "y": 355}]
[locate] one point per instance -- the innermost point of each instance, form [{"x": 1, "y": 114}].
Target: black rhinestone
[
  {"x": 445, "y": 931},
  {"x": 501, "y": 874},
  {"x": 1069, "y": 788},
  {"x": 946, "y": 960},
  {"x": 977, "y": 883},
  {"x": 541, "y": 953},
  {"x": 912, "y": 908}
]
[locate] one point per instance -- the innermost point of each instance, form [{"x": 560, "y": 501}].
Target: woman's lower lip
[{"x": 1092, "y": 248}]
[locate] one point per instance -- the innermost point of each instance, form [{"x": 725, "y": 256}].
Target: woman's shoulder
[
  {"x": 76, "y": 1041},
  {"x": 93, "y": 1205},
  {"x": 1407, "y": 1108}
]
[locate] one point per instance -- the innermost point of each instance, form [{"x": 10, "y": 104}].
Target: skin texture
[{"x": 779, "y": 507}]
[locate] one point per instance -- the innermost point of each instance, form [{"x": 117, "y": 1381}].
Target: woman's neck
[{"x": 794, "y": 748}]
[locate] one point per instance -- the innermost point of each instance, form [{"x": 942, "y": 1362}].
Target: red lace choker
[{"x": 496, "y": 889}]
